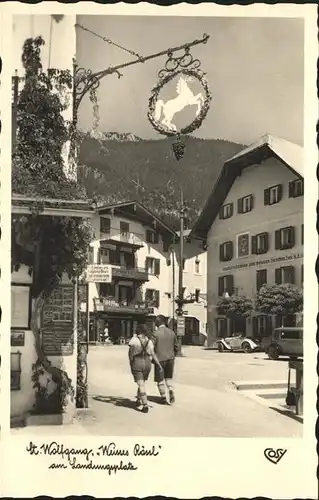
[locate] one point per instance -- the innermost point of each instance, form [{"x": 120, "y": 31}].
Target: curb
[{"x": 262, "y": 384}]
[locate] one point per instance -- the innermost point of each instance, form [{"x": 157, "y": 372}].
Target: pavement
[{"x": 208, "y": 403}]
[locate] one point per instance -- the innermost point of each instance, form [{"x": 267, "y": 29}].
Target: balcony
[
  {"x": 110, "y": 304},
  {"x": 134, "y": 273},
  {"x": 125, "y": 238}
]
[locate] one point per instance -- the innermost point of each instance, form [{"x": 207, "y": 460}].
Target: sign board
[
  {"x": 99, "y": 273},
  {"x": 57, "y": 322},
  {"x": 180, "y": 326}
]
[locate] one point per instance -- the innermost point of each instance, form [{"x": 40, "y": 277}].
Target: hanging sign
[
  {"x": 99, "y": 273},
  {"x": 180, "y": 100},
  {"x": 180, "y": 326}
]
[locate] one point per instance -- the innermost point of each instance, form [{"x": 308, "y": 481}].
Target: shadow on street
[{"x": 116, "y": 401}]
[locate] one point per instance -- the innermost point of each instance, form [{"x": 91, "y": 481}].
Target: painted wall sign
[
  {"x": 263, "y": 262},
  {"x": 99, "y": 273},
  {"x": 57, "y": 322}
]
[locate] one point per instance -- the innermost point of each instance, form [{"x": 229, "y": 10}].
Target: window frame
[
  {"x": 103, "y": 221},
  {"x": 123, "y": 231},
  {"x": 292, "y": 188},
  {"x": 241, "y": 204},
  {"x": 226, "y": 251},
  {"x": 224, "y": 208}
]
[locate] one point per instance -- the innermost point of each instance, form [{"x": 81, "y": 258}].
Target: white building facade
[{"x": 143, "y": 254}]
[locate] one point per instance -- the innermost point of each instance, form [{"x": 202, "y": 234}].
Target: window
[
  {"x": 259, "y": 243},
  {"x": 284, "y": 275},
  {"x": 15, "y": 369},
  {"x": 262, "y": 326},
  {"x": 226, "y": 211},
  {"x": 273, "y": 195},
  {"x": 221, "y": 327},
  {"x": 197, "y": 262},
  {"x": 124, "y": 228},
  {"x": 245, "y": 204},
  {"x": 152, "y": 297},
  {"x": 107, "y": 290},
  {"x": 197, "y": 294},
  {"x": 152, "y": 266},
  {"x": 105, "y": 225},
  {"x": 261, "y": 278},
  {"x": 302, "y": 230},
  {"x": 225, "y": 284},
  {"x": 296, "y": 188},
  {"x": 302, "y": 274},
  {"x": 242, "y": 245},
  {"x": 284, "y": 238},
  {"x": 151, "y": 236},
  {"x": 226, "y": 251}
]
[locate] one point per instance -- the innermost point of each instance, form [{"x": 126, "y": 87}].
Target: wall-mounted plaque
[
  {"x": 20, "y": 306},
  {"x": 57, "y": 322},
  {"x": 17, "y": 337}
]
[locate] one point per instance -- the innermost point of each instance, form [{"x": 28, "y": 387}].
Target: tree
[
  {"x": 235, "y": 305},
  {"x": 49, "y": 246},
  {"x": 281, "y": 300},
  {"x": 236, "y": 308}
]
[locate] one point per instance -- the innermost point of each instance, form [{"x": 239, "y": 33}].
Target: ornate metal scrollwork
[
  {"x": 176, "y": 63},
  {"x": 84, "y": 80}
]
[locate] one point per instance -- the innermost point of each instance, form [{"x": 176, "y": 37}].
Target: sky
[{"x": 254, "y": 67}]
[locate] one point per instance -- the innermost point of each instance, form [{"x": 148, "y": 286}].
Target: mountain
[{"x": 116, "y": 167}]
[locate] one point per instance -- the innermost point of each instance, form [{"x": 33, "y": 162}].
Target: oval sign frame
[{"x": 196, "y": 123}]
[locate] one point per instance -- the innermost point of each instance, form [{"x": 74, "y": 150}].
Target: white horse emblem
[{"x": 184, "y": 98}]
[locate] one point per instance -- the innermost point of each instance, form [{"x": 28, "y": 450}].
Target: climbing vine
[{"x": 48, "y": 245}]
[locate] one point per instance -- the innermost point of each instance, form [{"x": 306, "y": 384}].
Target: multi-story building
[
  {"x": 137, "y": 245},
  {"x": 143, "y": 254},
  {"x": 252, "y": 225}
]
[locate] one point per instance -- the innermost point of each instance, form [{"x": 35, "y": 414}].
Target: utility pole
[{"x": 180, "y": 299}]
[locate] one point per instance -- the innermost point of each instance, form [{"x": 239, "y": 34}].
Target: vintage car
[
  {"x": 237, "y": 343},
  {"x": 286, "y": 341}
]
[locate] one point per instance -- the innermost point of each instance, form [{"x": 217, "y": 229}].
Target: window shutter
[
  {"x": 278, "y": 280},
  {"x": 183, "y": 263},
  {"x": 278, "y": 239},
  {"x": 166, "y": 245},
  {"x": 231, "y": 209},
  {"x": 266, "y": 237},
  {"x": 230, "y": 250},
  {"x": 157, "y": 298},
  {"x": 292, "y": 274},
  {"x": 251, "y": 202},
  {"x": 279, "y": 192},
  {"x": 291, "y": 189},
  {"x": 156, "y": 237},
  {"x": 302, "y": 274},
  {"x": 147, "y": 294},
  {"x": 291, "y": 236},
  {"x": 221, "y": 252},
  {"x": 302, "y": 187},
  {"x": 302, "y": 231},
  {"x": 266, "y": 196},
  {"x": 220, "y": 286},
  {"x": 146, "y": 263},
  {"x": 157, "y": 267},
  {"x": 240, "y": 206},
  {"x": 221, "y": 213},
  {"x": 230, "y": 284},
  {"x": 254, "y": 244},
  {"x": 98, "y": 258}
]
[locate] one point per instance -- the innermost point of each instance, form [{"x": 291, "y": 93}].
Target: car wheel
[
  {"x": 221, "y": 348},
  {"x": 246, "y": 347},
  {"x": 273, "y": 352}
]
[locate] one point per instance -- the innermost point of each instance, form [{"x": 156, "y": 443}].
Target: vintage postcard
[{"x": 158, "y": 250}]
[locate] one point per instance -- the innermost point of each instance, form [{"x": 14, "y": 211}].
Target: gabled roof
[
  {"x": 268, "y": 146},
  {"x": 136, "y": 211}
]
